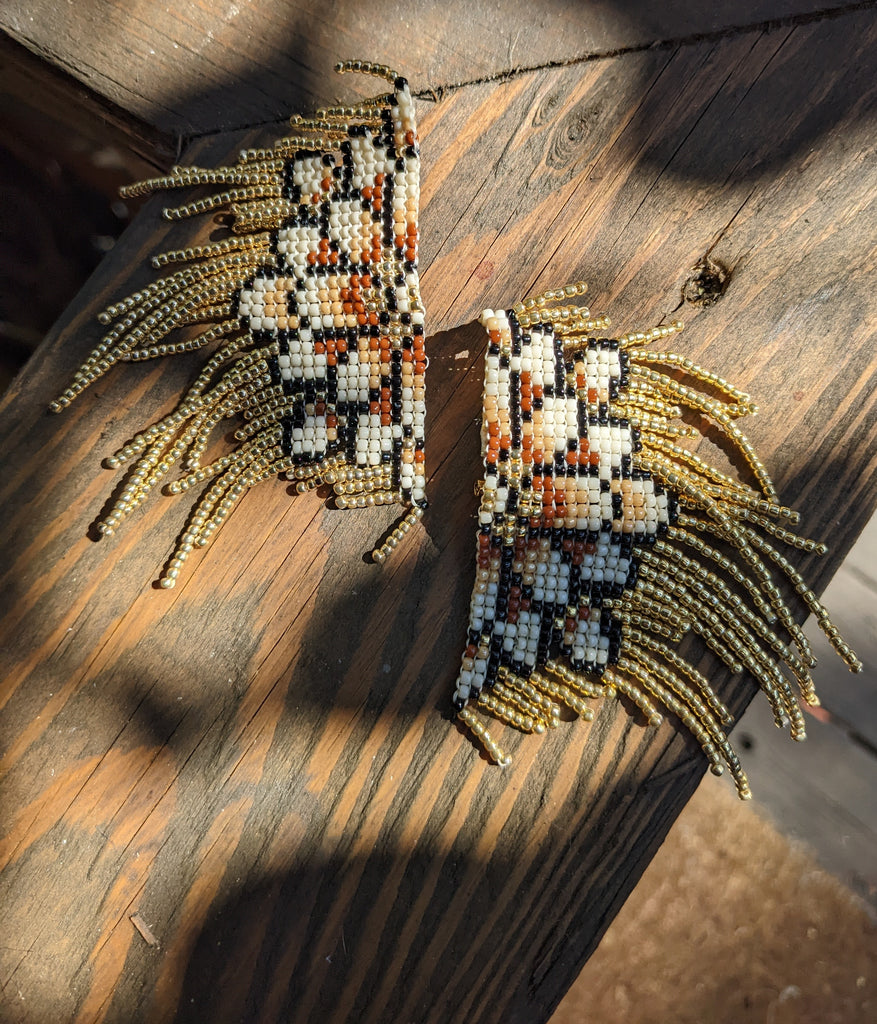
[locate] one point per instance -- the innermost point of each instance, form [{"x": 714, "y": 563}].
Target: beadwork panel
[{"x": 261, "y": 763}]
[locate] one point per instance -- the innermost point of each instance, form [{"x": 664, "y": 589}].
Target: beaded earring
[
  {"x": 602, "y": 541},
  {"x": 314, "y": 303}
]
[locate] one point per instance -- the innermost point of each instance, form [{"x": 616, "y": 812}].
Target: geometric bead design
[
  {"x": 314, "y": 314},
  {"x": 602, "y": 541},
  {"x": 569, "y": 473}
]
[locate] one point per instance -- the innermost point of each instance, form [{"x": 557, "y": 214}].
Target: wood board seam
[{"x": 435, "y": 93}]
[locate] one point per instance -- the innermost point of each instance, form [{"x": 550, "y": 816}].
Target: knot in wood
[{"x": 706, "y": 283}]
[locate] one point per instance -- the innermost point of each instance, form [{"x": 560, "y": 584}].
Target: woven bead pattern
[
  {"x": 602, "y": 541},
  {"x": 312, "y": 307}
]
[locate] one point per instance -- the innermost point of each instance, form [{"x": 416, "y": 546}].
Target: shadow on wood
[
  {"x": 228, "y": 66},
  {"x": 270, "y": 726}
]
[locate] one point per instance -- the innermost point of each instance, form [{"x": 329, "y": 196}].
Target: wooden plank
[
  {"x": 175, "y": 66},
  {"x": 58, "y": 165},
  {"x": 34, "y": 89},
  {"x": 258, "y": 764}
]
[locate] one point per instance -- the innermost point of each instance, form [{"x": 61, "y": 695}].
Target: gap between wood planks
[
  {"x": 180, "y": 141},
  {"x": 438, "y": 92}
]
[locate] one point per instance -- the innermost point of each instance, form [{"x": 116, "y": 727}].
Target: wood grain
[
  {"x": 174, "y": 66},
  {"x": 34, "y": 90},
  {"x": 259, "y": 764}
]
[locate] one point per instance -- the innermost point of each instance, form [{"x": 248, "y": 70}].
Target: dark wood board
[
  {"x": 259, "y": 764},
  {"x": 193, "y": 66},
  {"x": 34, "y": 90}
]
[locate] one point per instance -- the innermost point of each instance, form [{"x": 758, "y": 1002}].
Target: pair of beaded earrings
[{"x": 601, "y": 539}]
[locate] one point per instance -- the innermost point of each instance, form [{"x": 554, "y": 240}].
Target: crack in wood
[
  {"x": 729, "y": 32},
  {"x": 436, "y": 93}
]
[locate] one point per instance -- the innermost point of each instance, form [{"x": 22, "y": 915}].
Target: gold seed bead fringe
[
  {"x": 186, "y": 177},
  {"x": 655, "y": 680},
  {"x": 383, "y": 552},
  {"x": 810, "y": 600},
  {"x": 584, "y": 611},
  {"x": 569, "y": 291},
  {"x": 214, "y": 507},
  {"x": 644, "y": 399},
  {"x": 748, "y": 543},
  {"x": 647, "y": 423},
  {"x": 720, "y": 414},
  {"x": 647, "y": 337},
  {"x": 509, "y": 713},
  {"x": 697, "y": 577},
  {"x": 659, "y": 610},
  {"x": 730, "y": 644},
  {"x": 741, "y": 398},
  {"x": 233, "y": 195},
  {"x": 561, "y": 694},
  {"x": 727, "y": 566},
  {"x": 269, "y": 214},
  {"x": 240, "y": 243},
  {"x": 641, "y": 643},
  {"x": 717, "y": 605},
  {"x": 574, "y": 680},
  {"x": 190, "y": 345},
  {"x": 493, "y": 750},
  {"x": 625, "y": 686},
  {"x": 707, "y": 475},
  {"x": 546, "y": 708},
  {"x": 311, "y": 294},
  {"x": 786, "y": 536},
  {"x": 531, "y": 710},
  {"x": 366, "y": 68}
]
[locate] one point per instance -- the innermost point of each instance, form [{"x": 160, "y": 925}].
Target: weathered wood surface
[
  {"x": 33, "y": 90},
  {"x": 259, "y": 763},
  {"x": 173, "y": 66}
]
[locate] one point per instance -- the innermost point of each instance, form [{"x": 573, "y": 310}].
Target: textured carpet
[{"x": 731, "y": 924}]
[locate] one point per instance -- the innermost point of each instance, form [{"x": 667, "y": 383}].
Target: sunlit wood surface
[{"x": 259, "y": 767}]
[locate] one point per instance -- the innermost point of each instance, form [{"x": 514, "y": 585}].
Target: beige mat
[{"x": 730, "y": 925}]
